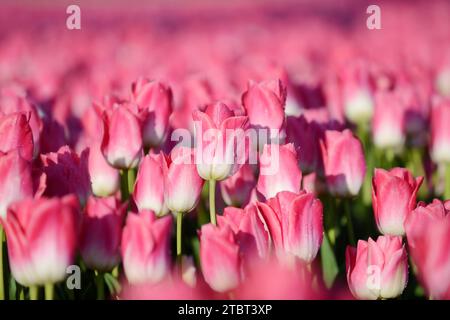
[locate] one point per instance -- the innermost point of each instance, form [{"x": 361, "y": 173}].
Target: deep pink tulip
[
  {"x": 377, "y": 269},
  {"x": 236, "y": 190},
  {"x": 393, "y": 198},
  {"x": 182, "y": 184},
  {"x": 122, "y": 137},
  {"x": 105, "y": 180},
  {"x": 156, "y": 99},
  {"x": 428, "y": 233},
  {"x": 42, "y": 238},
  {"x": 440, "y": 132},
  {"x": 101, "y": 232},
  {"x": 16, "y": 181},
  {"x": 146, "y": 247},
  {"x": 149, "y": 188},
  {"x": 220, "y": 141},
  {"x": 278, "y": 170},
  {"x": 15, "y": 133},
  {"x": 344, "y": 163},
  {"x": 295, "y": 224},
  {"x": 220, "y": 257}
]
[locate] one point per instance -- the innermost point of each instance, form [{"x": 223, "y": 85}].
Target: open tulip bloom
[{"x": 225, "y": 151}]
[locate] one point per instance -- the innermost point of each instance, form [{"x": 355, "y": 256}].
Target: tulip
[
  {"x": 393, "y": 198},
  {"x": 149, "y": 190},
  {"x": 219, "y": 257},
  {"x": 42, "y": 238},
  {"x": 105, "y": 180},
  {"x": 440, "y": 132},
  {"x": 145, "y": 247},
  {"x": 122, "y": 137},
  {"x": 16, "y": 182},
  {"x": 428, "y": 233},
  {"x": 279, "y": 170},
  {"x": 295, "y": 224},
  {"x": 66, "y": 173},
  {"x": 156, "y": 99},
  {"x": 344, "y": 162},
  {"x": 101, "y": 233},
  {"x": 236, "y": 190},
  {"x": 15, "y": 133},
  {"x": 377, "y": 269}
]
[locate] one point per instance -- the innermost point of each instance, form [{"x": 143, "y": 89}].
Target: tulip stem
[
  {"x": 212, "y": 201},
  {"x": 34, "y": 292},
  {"x": 447, "y": 182},
  {"x": 124, "y": 189},
  {"x": 2, "y": 286},
  {"x": 351, "y": 233},
  {"x": 179, "y": 228},
  {"x": 100, "y": 285},
  {"x": 49, "y": 291}
]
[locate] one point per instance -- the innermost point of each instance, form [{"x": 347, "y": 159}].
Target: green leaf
[
  {"x": 329, "y": 264},
  {"x": 112, "y": 283}
]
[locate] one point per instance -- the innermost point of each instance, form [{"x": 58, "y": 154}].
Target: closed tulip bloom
[
  {"x": 219, "y": 257},
  {"x": 440, "y": 132},
  {"x": 377, "y": 269},
  {"x": 388, "y": 123},
  {"x": 295, "y": 224},
  {"x": 428, "y": 233},
  {"x": 16, "y": 182},
  {"x": 149, "y": 187},
  {"x": 220, "y": 141},
  {"x": 15, "y": 133},
  {"x": 105, "y": 180},
  {"x": 344, "y": 163},
  {"x": 42, "y": 238},
  {"x": 101, "y": 233},
  {"x": 146, "y": 247},
  {"x": 156, "y": 99},
  {"x": 279, "y": 170},
  {"x": 182, "y": 184},
  {"x": 393, "y": 198},
  {"x": 122, "y": 137},
  {"x": 236, "y": 190}
]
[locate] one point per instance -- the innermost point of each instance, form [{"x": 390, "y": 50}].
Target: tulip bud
[
  {"x": 105, "y": 180},
  {"x": 279, "y": 170},
  {"x": 16, "y": 182},
  {"x": 182, "y": 184},
  {"x": 220, "y": 141},
  {"x": 377, "y": 269},
  {"x": 344, "y": 163},
  {"x": 15, "y": 133},
  {"x": 156, "y": 99},
  {"x": 145, "y": 247},
  {"x": 440, "y": 132},
  {"x": 122, "y": 137},
  {"x": 219, "y": 257},
  {"x": 101, "y": 233},
  {"x": 42, "y": 238},
  {"x": 236, "y": 190}
]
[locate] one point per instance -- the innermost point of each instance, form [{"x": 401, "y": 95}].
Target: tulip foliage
[{"x": 203, "y": 159}]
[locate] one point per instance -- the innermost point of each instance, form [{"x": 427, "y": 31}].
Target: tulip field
[{"x": 224, "y": 150}]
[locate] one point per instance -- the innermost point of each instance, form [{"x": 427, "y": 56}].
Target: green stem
[
  {"x": 49, "y": 291},
  {"x": 2, "y": 285},
  {"x": 179, "y": 229},
  {"x": 100, "y": 285},
  {"x": 212, "y": 201},
  {"x": 124, "y": 190},
  {"x": 34, "y": 292},
  {"x": 131, "y": 179},
  {"x": 447, "y": 182},
  {"x": 348, "y": 213}
]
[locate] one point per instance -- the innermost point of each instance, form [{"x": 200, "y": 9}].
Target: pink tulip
[
  {"x": 66, "y": 173},
  {"x": 393, "y": 198},
  {"x": 295, "y": 224},
  {"x": 236, "y": 190},
  {"x": 219, "y": 257},
  {"x": 377, "y": 269},
  {"x": 344, "y": 163},
  {"x": 105, "y": 180},
  {"x": 101, "y": 232},
  {"x": 440, "y": 132},
  {"x": 220, "y": 141},
  {"x": 182, "y": 184},
  {"x": 149, "y": 188},
  {"x": 428, "y": 233},
  {"x": 279, "y": 170},
  {"x": 122, "y": 137},
  {"x": 145, "y": 247},
  {"x": 16, "y": 181},
  {"x": 15, "y": 133},
  {"x": 42, "y": 238},
  {"x": 156, "y": 99}
]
